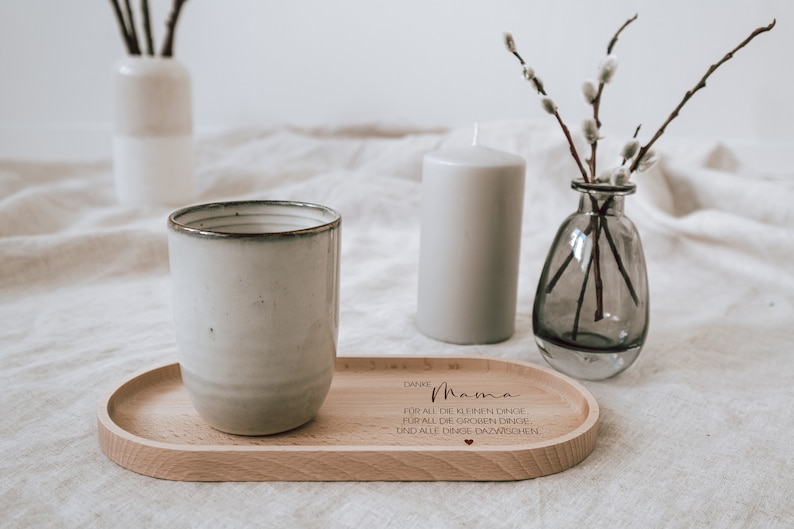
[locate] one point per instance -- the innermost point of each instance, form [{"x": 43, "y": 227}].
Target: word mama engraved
[{"x": 447, "y": 392}]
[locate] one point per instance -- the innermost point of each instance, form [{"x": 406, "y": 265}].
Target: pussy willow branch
[
  {"x": 168, "y": 45},
  {"x": 597, "y": 101},
  {"x": 596, "y": 223},
  {"x": 701, "y": 84},
  {"x": 599, "y": 314},
  {"x": 542, "y": 90}
]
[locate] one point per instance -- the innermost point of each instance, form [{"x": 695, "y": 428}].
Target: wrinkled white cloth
[{"x": 696, "y": 433}]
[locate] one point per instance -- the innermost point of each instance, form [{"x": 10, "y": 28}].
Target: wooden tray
[{"x": 385, "y": 419}]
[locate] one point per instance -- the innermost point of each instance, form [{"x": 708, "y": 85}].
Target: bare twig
[
  {"x": 556, "y": 277},
  {"x": 133, "y": 35},
  {"x": 599, "y": 285},
  {"x": 168, "y": 44},
  {"x": 619, "y": 31},
  {"x": 619, "y": 262},
  {"x": 147, "y": 27},
  {"x": 701, "y": 84},
  {"x": 125, "y": 36},
  {"x": 580, "y": 301},
  {"x": 571, "y": 146}
]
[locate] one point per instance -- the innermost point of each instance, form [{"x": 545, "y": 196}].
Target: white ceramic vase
[{"x": 153, "y": 138}]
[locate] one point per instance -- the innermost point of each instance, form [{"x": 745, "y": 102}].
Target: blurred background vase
[
  {"x": 590, "y": 316},
  {"x": 153, "y": 132}
]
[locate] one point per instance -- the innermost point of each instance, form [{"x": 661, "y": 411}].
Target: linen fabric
[{"x": 696, "y": 433}]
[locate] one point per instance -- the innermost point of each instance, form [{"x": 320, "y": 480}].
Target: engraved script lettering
[{"x": 447, "y": 392}]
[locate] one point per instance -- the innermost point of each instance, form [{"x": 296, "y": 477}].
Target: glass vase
[{"x": 590, "y": 316}]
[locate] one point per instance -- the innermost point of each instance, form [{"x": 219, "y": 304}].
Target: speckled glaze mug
[{"x": 256, "y": 310}]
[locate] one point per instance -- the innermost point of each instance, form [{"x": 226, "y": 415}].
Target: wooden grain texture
[{"x": 385, "y": 419}]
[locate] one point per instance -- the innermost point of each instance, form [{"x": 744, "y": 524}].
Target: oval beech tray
[{"x": 385, "y": 419}]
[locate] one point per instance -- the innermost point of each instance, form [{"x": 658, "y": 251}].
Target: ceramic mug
[{"x": 256, "y": 310}]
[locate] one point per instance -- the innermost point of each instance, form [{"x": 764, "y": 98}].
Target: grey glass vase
[{"x": 590, "y": 316}]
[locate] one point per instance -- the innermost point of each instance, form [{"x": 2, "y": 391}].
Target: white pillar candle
[{"x": 472, "y": 205}]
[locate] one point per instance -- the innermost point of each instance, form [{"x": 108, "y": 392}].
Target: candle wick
[{"x": 476, "y": 133}]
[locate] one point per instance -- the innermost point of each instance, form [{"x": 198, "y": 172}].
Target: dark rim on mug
[{"x": 327, "y": 218}]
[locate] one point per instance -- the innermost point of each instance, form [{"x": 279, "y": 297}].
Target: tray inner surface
[{"x": 382, "y": 401}]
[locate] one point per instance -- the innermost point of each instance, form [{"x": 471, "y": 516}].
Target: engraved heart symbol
[{"x": 468, "y": 441}]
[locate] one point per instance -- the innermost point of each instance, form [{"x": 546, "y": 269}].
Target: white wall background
[{"x": 321, "y": 63}]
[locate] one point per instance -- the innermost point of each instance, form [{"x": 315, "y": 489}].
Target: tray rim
[{"x": 106, "y": 424}]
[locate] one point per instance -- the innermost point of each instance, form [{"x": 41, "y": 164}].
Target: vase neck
[
  {"x": 601, "y": 199},
  {"x": 609, "y": 205}
]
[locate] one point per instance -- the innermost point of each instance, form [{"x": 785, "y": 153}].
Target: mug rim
[{"x": 181, "y": 227}]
